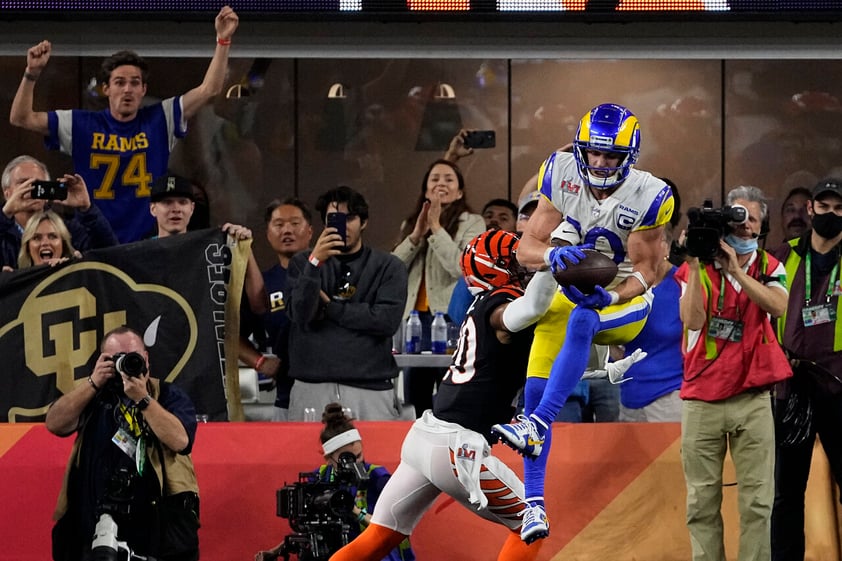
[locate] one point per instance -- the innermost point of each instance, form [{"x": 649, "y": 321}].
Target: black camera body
[
  {"x": 131, "y": 364},
  {"x": 707, "y": 225},
  {"x": 319, "y": 510},
  {"x": 49, "y": 190}
]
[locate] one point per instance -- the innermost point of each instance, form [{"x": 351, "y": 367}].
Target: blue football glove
[
  {"x": 562, "y": 256},
  {"x": 596, "y": 301}
]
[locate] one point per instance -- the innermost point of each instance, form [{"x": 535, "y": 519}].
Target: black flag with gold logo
[{"x": 181, "y": 293}]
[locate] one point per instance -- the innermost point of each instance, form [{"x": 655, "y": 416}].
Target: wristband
[
  {"x": 93, "y": 384},
  {"x": 614, "y": 297},
  {"x": 314, "y": 261},
  {"x": 361, "y": 516},
  {"x": 547, "y": 253},
  {"x": 639, "y": 276},
  {"x": 259, "y": 362},
  {"x": 223, "y": 42},
  {"x": 30, "y": 77}
]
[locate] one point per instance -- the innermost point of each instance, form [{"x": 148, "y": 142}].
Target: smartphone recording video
[
  {"x": 338, "y": 220},
  {"x": 480, "y": 139},
  {"x": 49, "y": 190}
]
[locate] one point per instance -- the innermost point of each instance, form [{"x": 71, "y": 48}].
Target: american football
[{"x": 594, "y": 269}]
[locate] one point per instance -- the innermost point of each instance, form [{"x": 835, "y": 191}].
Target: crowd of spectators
[{"x": 318, "y": 324}]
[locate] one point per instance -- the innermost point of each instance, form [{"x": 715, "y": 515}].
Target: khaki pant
[{"x": 744, "y": 423}]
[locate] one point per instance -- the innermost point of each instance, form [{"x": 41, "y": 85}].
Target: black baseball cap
[
  {"x": 830, "y": 185},
  {"x": 171, "y": 186}
]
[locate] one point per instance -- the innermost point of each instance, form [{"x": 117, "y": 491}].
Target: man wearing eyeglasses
[{"x": 346, "y": 300}]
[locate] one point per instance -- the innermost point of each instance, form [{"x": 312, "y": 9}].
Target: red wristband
[
  {"x": 223, "y": 42},
  {"x": 314, "y": 261},
  {"x": 259, "y": 362}
]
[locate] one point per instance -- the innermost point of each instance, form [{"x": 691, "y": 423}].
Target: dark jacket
[
  {"x": 88, "y": 230},
  {"x": 348, "y": 341}
]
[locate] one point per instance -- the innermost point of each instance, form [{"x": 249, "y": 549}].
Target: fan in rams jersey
[
  {"x": 448, "y": 448},
  {"x": 599, "y": 201}
]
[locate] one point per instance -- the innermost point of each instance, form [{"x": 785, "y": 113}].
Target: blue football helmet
[{"x": 607, "y": 128}]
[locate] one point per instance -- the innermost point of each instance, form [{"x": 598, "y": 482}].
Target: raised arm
[
  {"x": 771, "y": 299},
  {"x": 691, "y": 306},
  {"x": 536, "y": 237},
  {"x": 226, "y": 23},
  {"x": 22, "y": 113},
  {"x": 63, "y": 415}
]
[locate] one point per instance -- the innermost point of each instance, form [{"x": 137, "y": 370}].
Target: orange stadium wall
[{"x": 615, "y": 491}]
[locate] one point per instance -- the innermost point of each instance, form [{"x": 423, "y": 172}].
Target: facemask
[
  {"x": 741, "y": 245},
  {"x": 827, "y": 225}
]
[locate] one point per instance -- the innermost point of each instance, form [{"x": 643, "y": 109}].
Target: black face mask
[{"x": 827, "y": 225}]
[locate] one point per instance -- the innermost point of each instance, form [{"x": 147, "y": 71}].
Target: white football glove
[{"x": 617, "y": 369}]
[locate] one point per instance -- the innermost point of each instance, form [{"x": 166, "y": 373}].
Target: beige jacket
[
  {"x": 180, "y": 473},
  {"x": 437, "y": 258}
]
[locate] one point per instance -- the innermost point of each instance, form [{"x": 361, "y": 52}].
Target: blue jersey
[
  {"x": 119, "y": 160},
  {"x": 663, "y": 369},
  {"x": 276, "y": 324}
]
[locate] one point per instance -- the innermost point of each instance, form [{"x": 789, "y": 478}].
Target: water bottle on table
[
  {"x": 413, "y": 334},
  {"x": 438, "y": 334}
]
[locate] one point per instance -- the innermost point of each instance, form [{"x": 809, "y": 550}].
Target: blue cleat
[
  {"x": 535, "y": 525},
  {"x": 522, "y": 436}
]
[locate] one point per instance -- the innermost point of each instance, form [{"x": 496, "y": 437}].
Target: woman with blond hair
[{"x": 45, "y": 239}]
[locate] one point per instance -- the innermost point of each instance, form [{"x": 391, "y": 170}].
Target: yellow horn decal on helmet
[
  {"x": 626, "y": 132},
  {"x": 585, "y": 128}
]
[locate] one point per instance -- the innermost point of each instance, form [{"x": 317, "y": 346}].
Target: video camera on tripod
[{"x": 319, "y": 510}]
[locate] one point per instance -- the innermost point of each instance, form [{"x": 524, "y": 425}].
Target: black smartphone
[
  {"x": 480, "y": 139},
  {"x": 49, "y": 190},
  {"x": 338, "y": 220}
]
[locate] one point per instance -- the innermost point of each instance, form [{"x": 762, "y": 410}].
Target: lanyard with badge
[
  {"x": 824, "y": 312},
  {"x": 720, "y": 327},
  {"x": 130, "y": 437}
]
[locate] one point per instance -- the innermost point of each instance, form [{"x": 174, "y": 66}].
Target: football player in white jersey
[{"x": 592, "y": 198}]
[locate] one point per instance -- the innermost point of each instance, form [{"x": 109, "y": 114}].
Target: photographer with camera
[
  {"x": 88, "y": 228},
  {"x": 347, "y": 482},
  {"x": 732, "y": 358},
  {"x": 130, "y": 474},
  {"x": 811, "y": 401}
]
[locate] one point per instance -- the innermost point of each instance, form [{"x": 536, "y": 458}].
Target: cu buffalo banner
[{"x": 182, "y": 293}]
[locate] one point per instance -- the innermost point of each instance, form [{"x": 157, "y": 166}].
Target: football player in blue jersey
[
  {"x": 590, "y": 198},
  {"x": 121, "y": 150}
]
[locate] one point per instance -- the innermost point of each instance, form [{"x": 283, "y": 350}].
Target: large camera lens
[
  {"x": 333, "y": 502},
  {"x": 130, "y": 364},
  {"x": 736, "y": 214}
]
